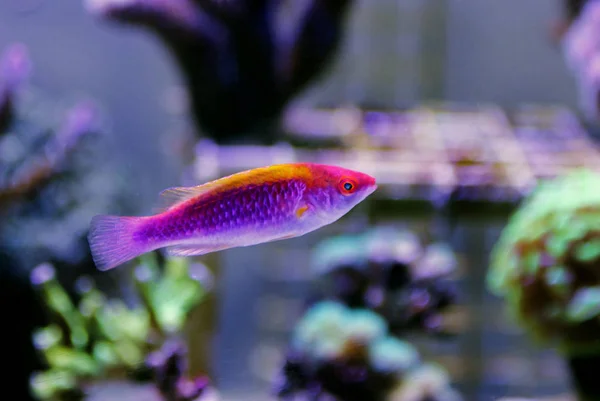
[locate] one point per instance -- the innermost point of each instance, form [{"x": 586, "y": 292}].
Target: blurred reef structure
[
  {"x": 54, "y": 177},
  {"x": 581, "y": 49},
  {"x": 379, "y": 295},
  {"x": 371, "y": 288},
  {"x": 438, "y": 153},
  {"x": 392, "y": 273},
  {"x": 96, "y": 341},
  {"x": 348, "y": 354},
  {"x": 545, "y": 265},
  {"x": 240, "y": 70},
  {"x": 451, "y": 172},
  {"x": 573, "y": 8}
]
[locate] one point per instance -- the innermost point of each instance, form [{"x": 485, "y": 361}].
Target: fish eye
[{"x": 347, "y": 186}]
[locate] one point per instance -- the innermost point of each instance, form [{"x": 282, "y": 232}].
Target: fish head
[{"x": 339, "y": 189}]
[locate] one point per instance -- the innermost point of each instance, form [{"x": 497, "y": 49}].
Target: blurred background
[
  {"x": 461, "y": 50},
  {"x": 458, "y": 108}
]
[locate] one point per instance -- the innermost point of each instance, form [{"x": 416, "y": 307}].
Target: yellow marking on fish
[{"x": 301, "y": 211}]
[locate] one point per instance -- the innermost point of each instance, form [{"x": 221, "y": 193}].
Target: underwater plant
[
  {"x": 391, "y": 272},
  {"x": 97, "y": 338},
  {"x": 240, "y": 68},
  {"x": 53, "y": 177},
  {"x": 546, "y": 263},
  {"x": 344, "y": 354}
]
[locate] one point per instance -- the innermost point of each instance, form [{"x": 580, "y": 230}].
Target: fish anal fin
[
  {"x": 279, "y": 238},
  {"x": 193, "y": 249}
]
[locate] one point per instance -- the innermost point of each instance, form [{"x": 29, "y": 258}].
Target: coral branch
[
  {"x": 224, "y": 11},
  {"x": 15, "y": 68},
  {"x": 26, "y": 185},
  {"x": 53, "y": 174},
  {"x": 573, "y": 8},
  {"x": 166, "y": 16},
  {"x": 79, "y": 121},
  {"x": 170, "y": 366},
  {"x": 238, "y": 81},
  {"x": 318, "y": 40}
]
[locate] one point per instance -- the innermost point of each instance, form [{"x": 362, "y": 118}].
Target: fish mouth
[
  {"x": 373, "y": 183},
  {"x": 372, "y": 188}
]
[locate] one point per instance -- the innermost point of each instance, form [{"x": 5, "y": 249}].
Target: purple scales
[{"x": 232, "y": 212}]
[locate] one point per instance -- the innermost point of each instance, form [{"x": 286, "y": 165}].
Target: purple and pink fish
[{"x": 248, "y": 208}]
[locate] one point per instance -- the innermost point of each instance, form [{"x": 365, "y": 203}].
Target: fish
[{"x": 248, "y": 208}]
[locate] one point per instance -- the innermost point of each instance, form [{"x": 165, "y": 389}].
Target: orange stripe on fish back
[{"x": 178, "y": 196}]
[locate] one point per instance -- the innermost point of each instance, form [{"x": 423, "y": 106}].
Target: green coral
[
  {"x": 97, "y": 337},
  {"x": 547, "y": 262}
]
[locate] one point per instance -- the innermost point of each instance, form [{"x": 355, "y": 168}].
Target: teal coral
[
  {"x": 337, "y": 251},
  {"x": 330, "y": 331},
  {"x": 384, "y": 244},
  {"x": 428, "y": 382},
  {"x": 389, "y": 354},
  {"x": 546, "y": 262},
  {"x": 340, "y": 353}
]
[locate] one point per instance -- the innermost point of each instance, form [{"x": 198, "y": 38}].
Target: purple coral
[
  {"x": 54, "y": 176},
  {"x": 169, "y": 365},
  {"x": 239, "y": 70},
  {"x": 581, "y": 49},
  {"x": 15, "y": 68},
  {"x": 392, "y": 272}
]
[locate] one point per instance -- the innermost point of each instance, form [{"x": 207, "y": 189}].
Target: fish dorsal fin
[{"x": 172, "y": 197}]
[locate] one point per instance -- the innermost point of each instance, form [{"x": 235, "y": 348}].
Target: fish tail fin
[{"x": 111, "y": 240}]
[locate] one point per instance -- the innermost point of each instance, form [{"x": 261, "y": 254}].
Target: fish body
[{"x": 248, "y": 208}]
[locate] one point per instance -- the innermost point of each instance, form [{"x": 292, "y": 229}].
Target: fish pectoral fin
[{"x": 194, "y": 249}]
